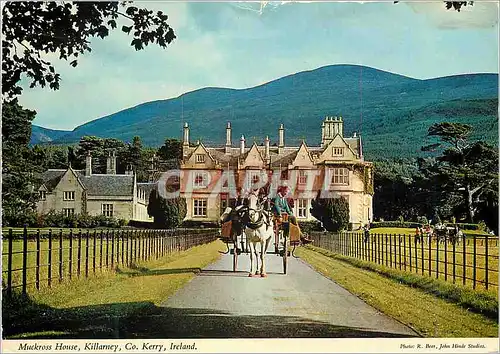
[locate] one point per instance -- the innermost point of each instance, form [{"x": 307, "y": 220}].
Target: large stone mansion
[{"x": 336, "y": 165}]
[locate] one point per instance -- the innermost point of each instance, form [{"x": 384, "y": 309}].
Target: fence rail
[
  {"x": 36, "y": 259},
  {"x": 472, "y": 261}
]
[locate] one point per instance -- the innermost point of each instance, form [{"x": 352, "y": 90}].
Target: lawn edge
[{"x": 447, "y": 291}]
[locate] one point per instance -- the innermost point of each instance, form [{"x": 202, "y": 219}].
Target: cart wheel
[
  {"x": 235, "y": 261},
  {"x": 285, "y": 256}
]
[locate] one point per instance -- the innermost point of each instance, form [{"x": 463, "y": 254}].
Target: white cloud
[{"x": 479, "y": 15}]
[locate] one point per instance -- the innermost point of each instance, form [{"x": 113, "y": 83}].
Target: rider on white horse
[{"x": 258, "y": 229}]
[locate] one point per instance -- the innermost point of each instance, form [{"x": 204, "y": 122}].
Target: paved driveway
[{"x": 218, "y": 303}]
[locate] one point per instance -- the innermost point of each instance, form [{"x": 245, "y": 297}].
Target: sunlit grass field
[
  {"x": 472, "y": 263},
  {"x": 51, "y": 263},
  {"x": 431, "y": 307}
]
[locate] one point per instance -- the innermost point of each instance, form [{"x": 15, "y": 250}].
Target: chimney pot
[{"x": 242, "y": 144}]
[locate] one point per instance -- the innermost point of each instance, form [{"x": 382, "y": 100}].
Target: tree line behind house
[{"x": 454, "y": 178}]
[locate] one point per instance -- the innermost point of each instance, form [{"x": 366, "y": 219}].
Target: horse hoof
[
  {"x": 263, "y": 275},
  {"x": 250, "y": 275}
]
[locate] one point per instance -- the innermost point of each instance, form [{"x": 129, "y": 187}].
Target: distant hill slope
[
  {"x": 392, "y": 112},
  {"x": 45, "y": 135}
]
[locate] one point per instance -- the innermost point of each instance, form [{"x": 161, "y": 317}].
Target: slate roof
[
  {"x": 51, "y": 178},
  {"x": 285, "y": 158},
  {"x": 109, "y": 185},
  {"x": 96, "y": 185},
  {"x": 147, "y": 187}
]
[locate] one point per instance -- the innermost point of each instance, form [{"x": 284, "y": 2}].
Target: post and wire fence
[
  {"x": 470, "y": 260},
  {"x": 36, "y": 259}
]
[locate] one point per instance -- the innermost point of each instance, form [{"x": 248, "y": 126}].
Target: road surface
[{"x": 218, "y": 303}]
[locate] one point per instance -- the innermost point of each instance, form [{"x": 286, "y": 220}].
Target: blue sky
[{"x": 243, "y": 44}]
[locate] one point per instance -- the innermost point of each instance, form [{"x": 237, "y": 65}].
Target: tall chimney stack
[
  {"x": 185, "y": 141},
  {"x": 281, "y": 140},
  {"x": 228, "y": 138},
  {"x": 322, "y": 134},
  {"x": 266, "y": 144},
  {"x": 88, "y": 164},
  {"x": 111, "y": 164},
  {"x": 242, "y": 144}
]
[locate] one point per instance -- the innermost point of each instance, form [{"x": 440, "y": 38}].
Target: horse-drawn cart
[{"x": 286, "y": 236}]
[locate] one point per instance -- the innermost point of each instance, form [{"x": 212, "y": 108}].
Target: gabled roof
[
  {"x": 343, "y": 140},
  {"x": 201, "y": 147},
  {"x": 303, "y": 151},
  {"x": 284, "y": 159},
  {"x": 95, "y": 185},
  {"x": 254, "y": 150}
]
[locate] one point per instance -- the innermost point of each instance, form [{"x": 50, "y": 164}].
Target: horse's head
[{"x": 226, "y": 215}]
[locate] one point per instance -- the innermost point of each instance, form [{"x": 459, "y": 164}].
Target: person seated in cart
[{"x": 281, "y": 206}]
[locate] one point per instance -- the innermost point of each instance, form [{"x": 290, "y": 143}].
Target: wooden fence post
[
  {"x": 25, "y": 259},
  {"x": 37, "y": 267},
  {"x": 474, "y": 265},
  {"x": 101, "y": 237},
  {"x": 49, "y": 270},
  {"x": 61, "y": 258},
  {"x": 9, "y": 264},
  {"x": 70, "y": 264},
  {"x": 464, "y": 260},
  {"x": 94, "y": 250},
  {"x": 79, "y": 252},
  {"x": 112, "y": 249},
  {"x": 87, "y": 254},
  {"x": 487, "y": 269}
]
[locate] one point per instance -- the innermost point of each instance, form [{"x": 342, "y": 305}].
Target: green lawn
[
  {"x": 103, "y": 256},
  {"x": 423, "y": 311},
  {"x": 91, "y": 307},
  {"x": 396, "y": 248}
]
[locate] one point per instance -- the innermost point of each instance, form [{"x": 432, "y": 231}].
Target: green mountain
[
  {"x": 391, "y": 112},
  {"x": 41, "y": 135}
]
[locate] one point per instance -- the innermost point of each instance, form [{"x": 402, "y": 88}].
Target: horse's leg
[
  {"x": 265, "y": 245},
  {"x": 262, "y": 266},
  {"x": 250, "y": 274},
  {"x": 256, "y": 258}
]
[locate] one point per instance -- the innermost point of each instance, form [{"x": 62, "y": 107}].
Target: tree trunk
[{"x": 470, "y": 207}]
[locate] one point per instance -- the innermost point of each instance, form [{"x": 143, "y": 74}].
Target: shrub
[
  {"x": 333, "y": 213},
  {"x": 167, "y": 213},
  {"x": 482, "y": 226},
  {"x": 405, "y": 224},
  {"x": 308, "y": 226},
  {"x": 422, "y": 220}
]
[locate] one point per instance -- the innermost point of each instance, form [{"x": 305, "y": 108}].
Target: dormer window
[
  {"x": 338, "y": 151},
  {"x": 200, "y": 158},
  {"x": 42, "y": 195}
]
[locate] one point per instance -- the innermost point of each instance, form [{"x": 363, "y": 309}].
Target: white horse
[{"x": 258, "y": 229}]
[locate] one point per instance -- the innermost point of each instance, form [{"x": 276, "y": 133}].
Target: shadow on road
[{"x": 145, "y": 320}]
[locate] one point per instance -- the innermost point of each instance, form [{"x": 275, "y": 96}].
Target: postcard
[{"x": 250, "y": 177}]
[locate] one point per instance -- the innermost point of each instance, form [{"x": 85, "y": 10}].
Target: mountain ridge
[{"x": 300, "y": 101}]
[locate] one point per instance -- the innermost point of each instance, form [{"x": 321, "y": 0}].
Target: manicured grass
[
  {"x": 442, "y": 261},
  {"x": 418, "y": 308},
  {"x": 99, "y": 257},
  {"x": 90, "y": 307}
]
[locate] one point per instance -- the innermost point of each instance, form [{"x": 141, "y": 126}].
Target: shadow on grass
[
  {"x": 142, "y": 271},
  {"x": 23, "y": 318}
]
